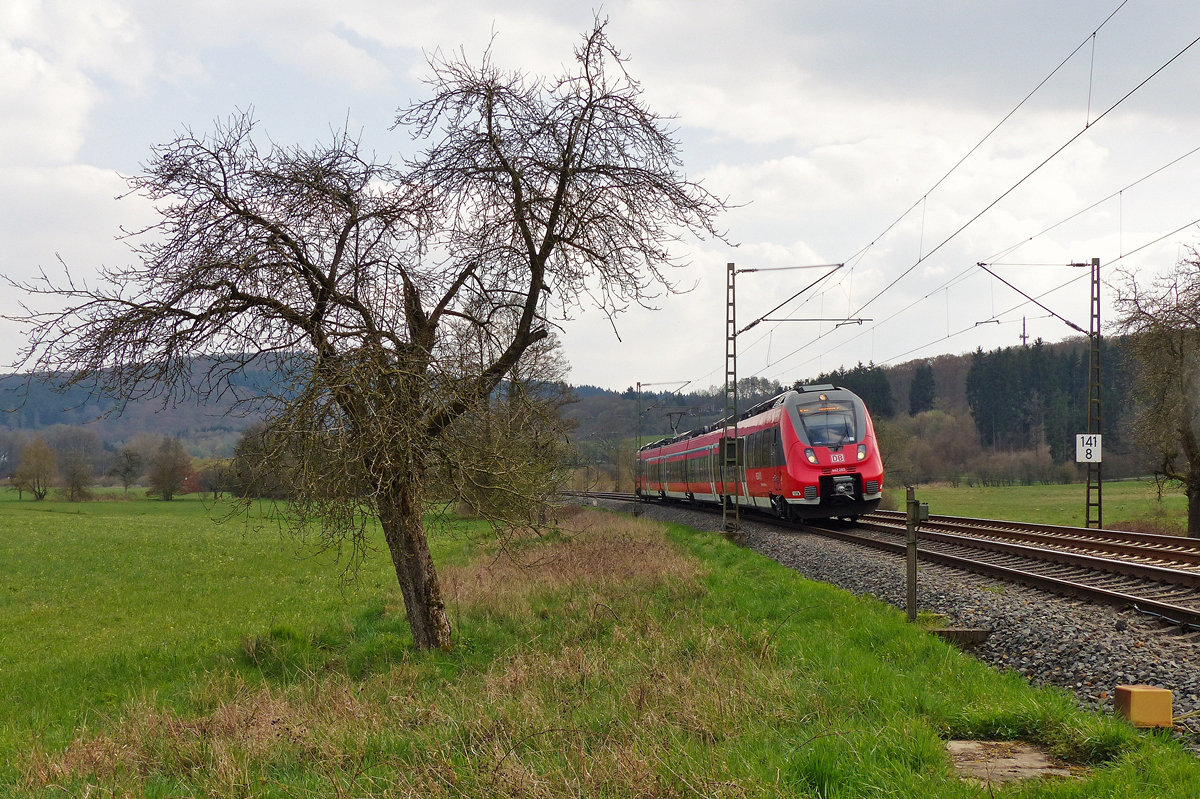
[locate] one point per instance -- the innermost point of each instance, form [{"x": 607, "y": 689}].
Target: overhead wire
[
  {"x": 857, "y": 256},
  {"x": 854, "y": 259},
  {"x": 1012, "y": 188},
  {"x": 1036, "y": 299},
  {"x": 960, "y": 277},
  {"x": 1026, "y": 177},
  {"x": 1117, "y": 193}
]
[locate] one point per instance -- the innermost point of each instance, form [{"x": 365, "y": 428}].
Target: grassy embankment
[
  {"x": 147, "y": 651},
  {"x": 1128, "y": 502}
]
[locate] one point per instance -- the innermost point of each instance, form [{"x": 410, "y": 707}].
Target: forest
[{"x": 1007, "y": 415}]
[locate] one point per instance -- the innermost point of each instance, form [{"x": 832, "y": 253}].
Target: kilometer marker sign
[{"x": 1087, "y": 448}]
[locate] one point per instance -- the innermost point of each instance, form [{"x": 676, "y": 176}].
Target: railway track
[{"x": 1154, "y": 574}]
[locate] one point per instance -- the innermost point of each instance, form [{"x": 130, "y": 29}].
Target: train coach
[{"x": 806, "y": 454}]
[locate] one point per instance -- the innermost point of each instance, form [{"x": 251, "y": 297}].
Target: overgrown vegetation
[
  {"x": 608, "y": 659},
  {"x": 1163, "y": 323}
]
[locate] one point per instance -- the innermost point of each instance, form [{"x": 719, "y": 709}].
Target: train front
[{"x": 833, "y": 462}]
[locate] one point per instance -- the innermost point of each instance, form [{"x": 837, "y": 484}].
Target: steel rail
[
  {"x": 1084, "y": 533},
  {"x": 1126, "y": 567},
  {"x": 1178, "y": 614},
  {"x": 1158, "y": 580}
]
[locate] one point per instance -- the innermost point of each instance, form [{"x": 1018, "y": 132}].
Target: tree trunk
[
  {"x": 1193, "y": 495},
  {"x": 404, "y": 529}
]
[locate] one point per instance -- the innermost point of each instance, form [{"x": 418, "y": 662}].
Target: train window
[
  {"x": 829, "y": 423},
  {"x": 780, "y": 455}
]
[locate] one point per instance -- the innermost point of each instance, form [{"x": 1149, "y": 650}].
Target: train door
[
  {"x": 740, "y": 471},
  {"x": 710, "y": 457},
  {"x": 775, "y": 462},
  {"x": 755, "y": 482}
]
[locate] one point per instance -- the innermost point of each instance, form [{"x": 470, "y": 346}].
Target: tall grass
[{"x": 615, "y": 658}]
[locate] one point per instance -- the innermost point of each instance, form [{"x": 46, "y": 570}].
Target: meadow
[
  {"x": 1132, "y": 504},
  {"x": 149, "y": 651}
]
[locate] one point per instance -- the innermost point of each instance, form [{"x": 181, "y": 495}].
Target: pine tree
[{"x": 923, "y": 390}]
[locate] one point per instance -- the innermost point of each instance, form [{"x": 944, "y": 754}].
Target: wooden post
[{"x": 913, "y": 508}]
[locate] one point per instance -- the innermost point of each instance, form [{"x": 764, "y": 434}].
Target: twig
[
  {"x": 778, "y": 627},
  {"x": 513, "y": 748},
  {"x": 606, "y": 607}
]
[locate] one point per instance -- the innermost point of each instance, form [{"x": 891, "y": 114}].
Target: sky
[{"x": 822, "y": 123}]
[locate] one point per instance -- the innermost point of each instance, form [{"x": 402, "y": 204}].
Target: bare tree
[
  {"x": 37, "y": 469},
  {"x": 127, "y": 466},
  {"x": 75, "y": 467},
  {"x": 361, "y": 281},
  {"x": 214, "y": 477},
  {"x": 169, "y": 468},
  {"x": 1163, "y": 322},
  {"x": 79, "y": 450}
]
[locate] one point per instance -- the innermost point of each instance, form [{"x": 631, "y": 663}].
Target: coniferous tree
[
  {"x": 923, "y": 390},
  {"x": 869, "y": 382},
  {"x": 1024, "y": 397}
]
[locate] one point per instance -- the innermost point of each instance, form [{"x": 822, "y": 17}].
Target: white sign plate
[{"x": 1087, "y": 448}]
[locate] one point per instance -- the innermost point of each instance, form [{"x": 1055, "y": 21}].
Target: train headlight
[
  {"x": 862, "y": 451},
  {"x": 812, "y": 456}
]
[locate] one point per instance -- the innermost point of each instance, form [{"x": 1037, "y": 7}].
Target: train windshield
[{"x": 829, "y": 423}]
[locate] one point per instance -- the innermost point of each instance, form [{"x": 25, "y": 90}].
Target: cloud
[{"x": 827, "y": 121}]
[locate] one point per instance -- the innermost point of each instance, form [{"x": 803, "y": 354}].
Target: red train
[{"x": 805, "y": 454}]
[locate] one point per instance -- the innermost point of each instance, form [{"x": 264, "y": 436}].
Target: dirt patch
[{"x": 1004, "y": 761}]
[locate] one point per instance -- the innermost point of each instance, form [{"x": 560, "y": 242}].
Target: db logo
[{"x": 837, "y": 457}]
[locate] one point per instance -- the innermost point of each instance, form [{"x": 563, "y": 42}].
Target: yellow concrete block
[{"x": 1144, "y": 705}]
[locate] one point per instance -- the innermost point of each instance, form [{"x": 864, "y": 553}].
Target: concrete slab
[
  {"x": 1003, "y": 761},
  {"x": 963, "y": 636}
]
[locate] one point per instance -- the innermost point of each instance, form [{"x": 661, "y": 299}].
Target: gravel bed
[{"x": 1084, "y": 647}]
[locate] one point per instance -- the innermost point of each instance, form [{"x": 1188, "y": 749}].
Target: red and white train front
[{"x": 805, "y": 454}]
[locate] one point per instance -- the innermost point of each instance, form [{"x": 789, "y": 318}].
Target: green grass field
[
  {"x": 147, "y": 651},
  {"x": 104, "y": 601},
  {"x": 1125, "y": 501}
]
